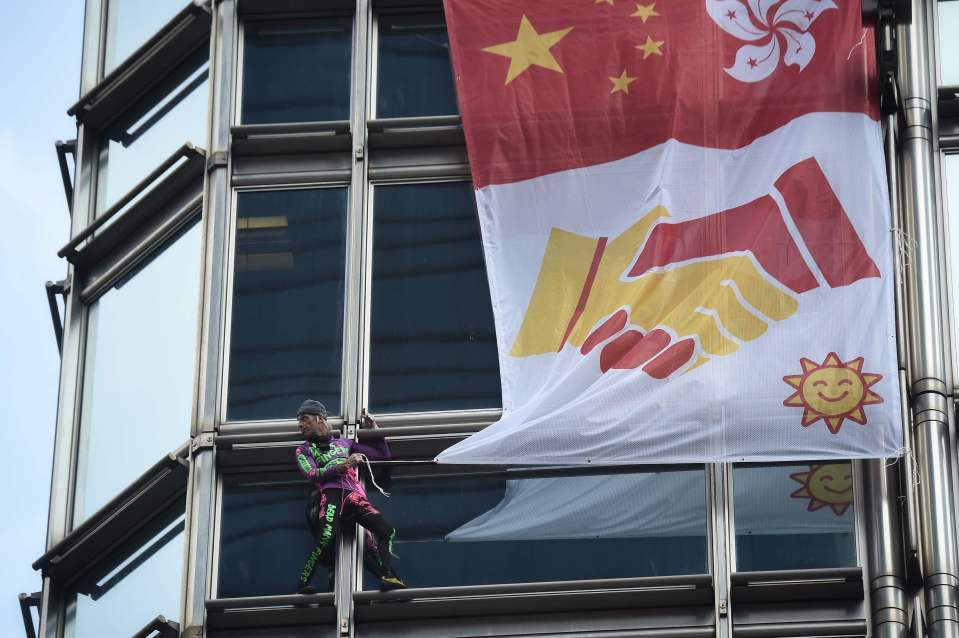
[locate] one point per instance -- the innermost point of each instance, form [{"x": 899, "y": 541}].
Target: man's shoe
[
  {"x": 306, "y": 590},
  {"x": 390, "y": 582}
]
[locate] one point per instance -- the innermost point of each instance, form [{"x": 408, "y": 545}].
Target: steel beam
[{"x": 927, "y": 332}]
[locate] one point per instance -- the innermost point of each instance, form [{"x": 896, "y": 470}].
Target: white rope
[{"x": 373, "y": 478}]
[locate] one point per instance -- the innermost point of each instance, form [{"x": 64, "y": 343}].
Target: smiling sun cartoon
[
  {"x": 832, "y": 391},
  {"x": 824, "y": 485}
]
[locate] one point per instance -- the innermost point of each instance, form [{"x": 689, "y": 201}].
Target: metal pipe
[
  {"x": 886, "y": 580},
  {"x": 927, "y": 333}
]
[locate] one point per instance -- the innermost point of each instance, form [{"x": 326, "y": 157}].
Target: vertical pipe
[
  {"x": 927, "y": 335},
  {"x": 886, "y": 582}
]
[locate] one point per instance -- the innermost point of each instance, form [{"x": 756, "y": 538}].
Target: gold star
[
  {"x": 621, "y": 83},
  {"x": 528, "y": 49},
  {"x": 651, "y": 47},
  {"x": 644, "y": 11}
]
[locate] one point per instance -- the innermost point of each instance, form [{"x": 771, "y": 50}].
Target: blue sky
[{"x": 40, "y": 58}]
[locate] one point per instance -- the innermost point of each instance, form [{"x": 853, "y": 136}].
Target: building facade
[{"x": 271, "y": 201}]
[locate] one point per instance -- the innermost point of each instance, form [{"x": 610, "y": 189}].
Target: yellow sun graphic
[
  {"x": 825, "y": 485},
  {"x": 832, "y": 391}
]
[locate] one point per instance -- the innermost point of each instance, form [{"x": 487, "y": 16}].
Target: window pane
[
  {"x": 145, "y": 585},
  {"x": 794, "y": 517},
  {"x": 265, "y": 539},
  {"x": 459, "y": 529},
  {"x": 414, "y": 75},
  {"x": 296, "y": 72},
  {"x": 951, "y": 170},
  {"x": 287, "y": 337},
  {"x": 948, "y": 43},
  {"x": 140, "y": 367},
  {"x": 433, "y": 345},
  {"x": 170, "y": 115},
  {"x": 130, "y": 23}
]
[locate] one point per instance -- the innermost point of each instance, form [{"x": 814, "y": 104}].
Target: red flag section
[{"x": 549, "y": 85}]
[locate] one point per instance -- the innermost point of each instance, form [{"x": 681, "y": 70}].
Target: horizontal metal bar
[
  {"x": 259, "y": 602},
  {"x": 384, "y": 124},
  {"x": 339, "y": 177},
  {"x": 801, "y": 630},
  {"x": 248, "y": 131},
  {"x": 396, "y": 173},
  {"x": 842, "y": 574},
  {"x": 186, "y": 151},
  {"x": 678, "y": 583}
]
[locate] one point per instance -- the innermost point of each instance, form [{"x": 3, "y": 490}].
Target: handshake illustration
[{"x": 662, "y": 295}]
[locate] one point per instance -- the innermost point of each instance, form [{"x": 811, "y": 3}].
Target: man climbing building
[{"x": 330, "y": 463}]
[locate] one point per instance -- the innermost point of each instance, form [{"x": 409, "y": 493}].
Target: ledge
[
  {"x": 270, "y": 611},
  {"x": 480, "y": 600},
  {"x": 797, "y": 585},
  {"x": 412, "y": 132},
  {"x": 146, "y": 67},
  {"x": 297, "y": 138},
  {"x": 130, "y": 512}
]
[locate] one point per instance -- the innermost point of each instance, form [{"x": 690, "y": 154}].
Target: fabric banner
[
  {"x": 686, "y": 228},
  {"x": 812, "y": 499}
]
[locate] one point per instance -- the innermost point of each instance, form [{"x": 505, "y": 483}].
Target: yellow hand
[{"x": 582, "y": 282}]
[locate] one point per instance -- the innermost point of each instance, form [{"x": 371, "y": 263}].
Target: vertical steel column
[
  {"x": 53, "y": 608},
  {"x": 201, "y": 511},
  {"x": 927, "y": 334}
]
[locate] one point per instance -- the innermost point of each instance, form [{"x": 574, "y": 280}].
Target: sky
[{"x": 40, "y": 61}]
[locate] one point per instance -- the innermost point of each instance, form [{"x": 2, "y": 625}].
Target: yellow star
[
  {"x": 609, "y": 2},
  {"x": 528, "y": 49},
  {"x": 651, "y": 47},
  {"x": 644, "y": 11},
  {"x": 621, "y": 83}
]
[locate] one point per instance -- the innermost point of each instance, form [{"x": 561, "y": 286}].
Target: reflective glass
[
  {"x": 948, "y": 42},
  {"x": 130, "y": 23},
  {"x": 432, "y": 342},
  {"x": 140, "y": 367},
  {"x": 534, "y": 526},
  {"x": 951, "y": 170},
  {"x": 414, "y": 76},
  {"x": 794, "y": 517},
  {"x": 146, "y": 584},
  {"x": 286, "y": 342},
  {"x": 151, "y": 130},
  {"x": 265, "y": 538},
  {"x": 296, "y": 72}
]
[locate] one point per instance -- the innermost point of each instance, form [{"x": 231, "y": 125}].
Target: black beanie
[{"x": 311, "y": 406}]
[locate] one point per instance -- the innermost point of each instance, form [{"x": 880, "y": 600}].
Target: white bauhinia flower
[{"x": 782, "y": 36}]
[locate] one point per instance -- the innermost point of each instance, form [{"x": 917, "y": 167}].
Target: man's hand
[
  {"x": 367, "y": 421},
  {"x": 353, "y": 460}
]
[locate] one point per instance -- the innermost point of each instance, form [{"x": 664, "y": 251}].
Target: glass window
[
  {"x": 286, "y": 342},
  {"x": 414, "y": 76},
  {"x": 948, "y": 42},
  {"x": 140, "y": 367},
  {"x": 433, "y": 345},
  {"x": 533, "y": 526},
  {"x": 794, "y": 517},
  {"x": 951, "y": 169},
  {"x": 134, "y": 591},
  {"x": 173, "y": 113},
  {"x": 130, "y": 23},
  {"x": 265, "y": 538},
  {"x": 296, "y": 72}
]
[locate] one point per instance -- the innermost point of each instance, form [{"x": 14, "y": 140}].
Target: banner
[{"x": 686, "y": 228}]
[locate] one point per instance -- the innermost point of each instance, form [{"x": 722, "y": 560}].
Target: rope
[{"x": 373, "y": 478}]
